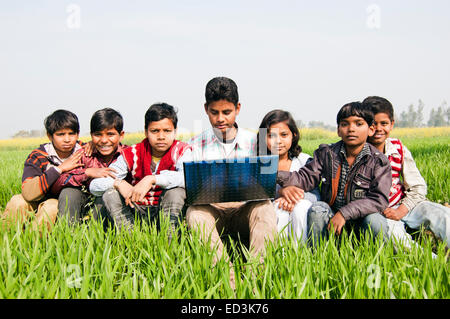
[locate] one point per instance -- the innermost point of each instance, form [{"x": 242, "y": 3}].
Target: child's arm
[
  {"x": 100, "y": 185},
  {"x": 81, "y": 175},
  {"x": 165, "y": 179},
  {"x": 308, "y": 177},
  {"x": 171, "y": 179},
  {"x": 415, "y": 185},
  {"x": 36, "y": 182}
]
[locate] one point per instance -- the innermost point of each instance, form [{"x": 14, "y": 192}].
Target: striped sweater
[
  {"x": 396, "y": 160},
  {"x": 39, "y": 173},
  {"x": 408, "y": 186}
]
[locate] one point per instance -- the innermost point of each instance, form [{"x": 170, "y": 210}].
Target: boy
[
  {"x": 355, "y": 178},
  {"x": 253, "y": 222},
  {"x": 407, "y": 199},
  {"x": 149, "y": 175},
  {"x": 107, "y": 133},
  {"x": 43, "y": 167}
]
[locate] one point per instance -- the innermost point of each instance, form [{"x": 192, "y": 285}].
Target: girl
[{"x": 278, "y": 134}]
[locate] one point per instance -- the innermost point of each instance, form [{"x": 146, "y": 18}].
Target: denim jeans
[
  {"x": 294, "y": 224},
  {"x": 433, "y": 216},
  {"x": 319, "y": 216}
]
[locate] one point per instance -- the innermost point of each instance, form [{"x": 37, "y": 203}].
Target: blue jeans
[
  {"x": 319, "y": 216},
  {"x": 431, "y": 215}
]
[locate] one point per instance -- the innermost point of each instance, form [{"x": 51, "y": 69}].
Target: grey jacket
[{"x": 368, "y": 182}]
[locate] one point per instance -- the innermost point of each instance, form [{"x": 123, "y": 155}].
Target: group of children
[{"x": 366, "y": 180}]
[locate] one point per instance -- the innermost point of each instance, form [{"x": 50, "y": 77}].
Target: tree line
[{"x": 411, "y": 117}]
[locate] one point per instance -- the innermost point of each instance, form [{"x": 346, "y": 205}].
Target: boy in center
[
  {"x": 254, "y": 223},
  {"x": 355, "y": 179}
]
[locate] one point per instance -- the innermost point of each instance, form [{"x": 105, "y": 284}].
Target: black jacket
[{"x": 368, "y": 183}]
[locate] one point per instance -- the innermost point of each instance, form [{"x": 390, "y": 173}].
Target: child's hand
[
  {"x": 283, "y": 204},
  {"x": 99, "y": 172},
  {"x": 88, "y": 148},
  {"x": 337, "y": 222},
  {"x": 292, "y": 194},
  {"x": 72, "y": 162},
  {"x": 142, "y": 188},
  {"x": 125, "y": 189},
  {"x": 396, "y": 214}
]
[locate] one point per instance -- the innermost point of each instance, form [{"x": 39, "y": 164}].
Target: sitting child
[
  {"x": 278, "y": 134},
  {"x": 43, "y": 167},
  {"x": 407, "y": 199},
  {"x": 355, "y": 179},
  {"x": 107, "y": 133},
  {"x": 149, "y": 175}
]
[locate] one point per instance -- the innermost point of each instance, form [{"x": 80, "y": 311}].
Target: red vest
[
  {"x": 397, "y": 188},
  {"x": 139, "y": 161}
]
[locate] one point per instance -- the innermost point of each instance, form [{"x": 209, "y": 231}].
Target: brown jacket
[{"x": 368, "y": 183}]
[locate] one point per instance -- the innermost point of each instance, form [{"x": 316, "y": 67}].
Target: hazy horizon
[{"x": 307, "y": 58}]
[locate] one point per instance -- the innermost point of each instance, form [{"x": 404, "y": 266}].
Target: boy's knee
[
  {"x": 319, "y": 212},
  {"x": 69, "y": 197},
  {"x": 172, "y": 202},
  {"x": 47, "y": 212},
  {"x": 111, "y": 198},
  {"x": 174, "y": 195},
  {"x": 199, "y": 217},
  {"x": 17, "y": 202},
  {"x": 16, "y": 207},
  {"x": 376, "y": 223},
  {"x": 69, "y": 193}
]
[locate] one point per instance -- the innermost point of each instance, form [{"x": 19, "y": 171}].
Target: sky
[{"x": 309, "y": 58}]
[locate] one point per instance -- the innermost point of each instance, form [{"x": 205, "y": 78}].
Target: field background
[{"x": 86, "y": 262}]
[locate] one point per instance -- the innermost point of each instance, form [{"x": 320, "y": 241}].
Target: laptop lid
[{"x": 231, "y": 180}]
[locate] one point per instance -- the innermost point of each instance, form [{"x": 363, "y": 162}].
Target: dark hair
[
  {"x": 379, "y": 105},
  {"x": 221, "y": 88},
  {"x": 105, "y": 119},
  {"x": 274, "y": 117},
  {"x": 161, "y": 111},
  {"x": 61, "y": 119},
  {"x": 355, "y": 109}
]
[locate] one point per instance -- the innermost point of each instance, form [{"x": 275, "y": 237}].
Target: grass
[{"x": 88, "y": 262}]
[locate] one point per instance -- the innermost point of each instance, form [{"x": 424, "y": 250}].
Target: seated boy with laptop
[{"x": 253, "y": 222}]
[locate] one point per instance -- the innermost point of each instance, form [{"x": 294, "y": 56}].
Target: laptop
[{"x": 231, "y": 180}]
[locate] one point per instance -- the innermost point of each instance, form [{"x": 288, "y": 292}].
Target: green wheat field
[{"x": 88, "y": 262}]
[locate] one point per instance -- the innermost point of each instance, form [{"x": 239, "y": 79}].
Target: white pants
[
  {"x": 293, "y": 224},
  {"x": 436, "y": 216},
  {"x": 397, "y": 232}
]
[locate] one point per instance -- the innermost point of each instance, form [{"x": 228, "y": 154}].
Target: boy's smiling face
[
  {"x": 354, "y": 131},
  {"x": 383, "y": 127},
  {"x": 160, "y": 135},
  {"x": 107, "y": 141}
]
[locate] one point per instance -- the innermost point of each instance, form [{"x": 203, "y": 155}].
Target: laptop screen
[{"x": 231, "y": 180}]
